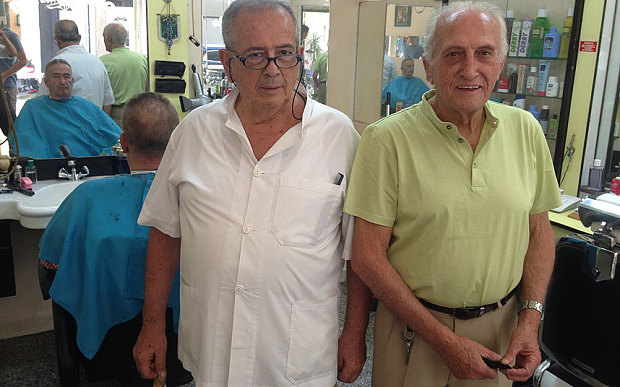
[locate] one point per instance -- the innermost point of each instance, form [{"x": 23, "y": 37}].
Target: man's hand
[
  {"x": 464, "y": 358},
  {"x": 523, "y": 347},
  {"x": 150, "y": 352},
  {"x": 351, "y": 356}
]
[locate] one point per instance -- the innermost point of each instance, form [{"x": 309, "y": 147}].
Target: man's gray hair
[
  {"x": 148, "y": 121},
  {"x": 66, "y": 31},
  {"x": 116, "y": 32},
  {"x": 55, "y": 62},
  {"x": 441, "y": 14},
  {"x": 238, "y": 6}
]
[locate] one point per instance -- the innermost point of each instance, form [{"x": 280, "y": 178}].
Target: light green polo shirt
[
  {"x": 127, "y": 71},
  {"x": 460, "y": 220},
  {"x": 320, "y": 65}
]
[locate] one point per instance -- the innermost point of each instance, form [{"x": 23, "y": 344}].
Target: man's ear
[
  {"x": 301, "y": 50},
  {"x": 427, "y": 68},
  {"x": 225, "y": 60}
]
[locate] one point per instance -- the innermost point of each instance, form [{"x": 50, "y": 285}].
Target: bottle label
[{"x": 537, "y": 32}]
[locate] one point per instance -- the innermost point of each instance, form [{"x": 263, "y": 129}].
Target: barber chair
[
  {"x": 580, "y": 332},
  {"x": 114, "y": 360}
]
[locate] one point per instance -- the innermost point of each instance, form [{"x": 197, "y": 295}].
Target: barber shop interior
[{"x": 162, "y": 222}]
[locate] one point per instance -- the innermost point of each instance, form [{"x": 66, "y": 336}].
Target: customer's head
[
  {"x": 66, "y": 33},
  {"x": 406, "y": 67},
  {"x": 58, "y": 78},
  {"x": 253, "y": 31},
  {"x": 148, "y": 121},
  {"x": 114, "y": 35},
  {"x": 464, "y": 56}
]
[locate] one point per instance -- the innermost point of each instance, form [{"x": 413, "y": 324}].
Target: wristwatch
[{"x": 528, "y": 304}]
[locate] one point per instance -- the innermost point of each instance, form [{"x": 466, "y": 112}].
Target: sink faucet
[{"x": 73, "y": 175}]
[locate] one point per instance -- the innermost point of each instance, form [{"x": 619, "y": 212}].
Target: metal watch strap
[{"x": 529, "y": 304}]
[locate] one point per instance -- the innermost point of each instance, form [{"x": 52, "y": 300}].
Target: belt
[
  {"x": 119, "y": 105},
  {"x": 471, "y": 311}
]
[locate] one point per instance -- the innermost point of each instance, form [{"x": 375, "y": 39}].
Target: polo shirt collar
[{"x": 450, "y": 129}]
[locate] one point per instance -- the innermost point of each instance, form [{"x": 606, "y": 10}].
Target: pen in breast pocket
[{"x": 338, "y": 179}]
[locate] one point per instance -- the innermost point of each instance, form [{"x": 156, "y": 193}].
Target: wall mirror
[{"x": 388, "y": 32}]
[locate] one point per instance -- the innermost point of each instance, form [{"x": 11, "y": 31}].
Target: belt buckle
[{"x": 481, "y": 311}]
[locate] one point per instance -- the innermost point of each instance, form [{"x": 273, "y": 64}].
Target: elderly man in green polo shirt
[
  {"x": 451, "y": 198},
  {"x": 127, "y": 70}
]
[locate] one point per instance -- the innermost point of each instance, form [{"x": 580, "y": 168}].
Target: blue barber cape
[
  {"x": 408, "y": 90},
  {"x": 100, "y": 251},
  {"x": 44, "y": 124}
]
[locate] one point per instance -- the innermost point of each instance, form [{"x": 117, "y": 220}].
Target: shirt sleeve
[
  {"x": 161, "y": 207},
  {"x": 547, "y": 194},
  {"x": 372, "y": 193},
  {"x": 15, "y": 40}
]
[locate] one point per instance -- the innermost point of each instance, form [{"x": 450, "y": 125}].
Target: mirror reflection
[{"x": 404, "y": 80}]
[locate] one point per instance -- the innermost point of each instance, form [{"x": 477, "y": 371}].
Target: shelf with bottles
[
  {"x": 547, "y": 36},
  {"x": 527, "y": 96}
]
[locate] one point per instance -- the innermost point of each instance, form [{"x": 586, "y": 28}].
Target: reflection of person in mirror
[
  {"x": 412, "y": 49},
  {"x": 48, "y": 121},
  {"x": 319, "y": 75},
  {"x": 12, "y": 58},
  {"x": 441, "y": 238},
  {"x": 406, "y": 88}
]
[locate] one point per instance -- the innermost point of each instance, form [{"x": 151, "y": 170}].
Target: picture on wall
[{"x": 402, "y": 16}]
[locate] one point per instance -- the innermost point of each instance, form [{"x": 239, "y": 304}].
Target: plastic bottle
[
  {"x": 553, "y": 126},
  {"x": 539, "y": 29},
  {"x": 551, "y": 45},
  {"x": 17, "y": 175},
  {"x": 566, "y": 31},
  {"x": 534, "y": 111},
  {"x": 31, "y": 171},
  {"x": 595, "y": 179},
  {"x": 510, "y": 17},
  {"x": 531, "y": 82},
  {"x": 519, "y": 101},
  {"x": 544, "y": 118},
  {"x": 552, "y": 87}
]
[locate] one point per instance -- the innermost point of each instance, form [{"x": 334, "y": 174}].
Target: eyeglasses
[{"x": 259, "y": 62}]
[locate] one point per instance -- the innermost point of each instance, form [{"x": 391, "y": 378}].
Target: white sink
[{"x": 36, "y": 211}]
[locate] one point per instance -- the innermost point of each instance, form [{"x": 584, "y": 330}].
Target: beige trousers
[{"x": 426, "y": 368}]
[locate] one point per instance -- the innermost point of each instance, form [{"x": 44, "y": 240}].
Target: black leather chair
[
  {"x": 580, "y": 332},
  {"x": 114, "y": 360}
]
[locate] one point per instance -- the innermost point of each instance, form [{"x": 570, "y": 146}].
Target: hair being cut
[
  {"x": 441, "y": 14},
  {"x": 148, "y": 121},
  {"x": 238, "y": 6}
]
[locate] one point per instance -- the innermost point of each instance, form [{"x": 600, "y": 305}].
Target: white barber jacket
[
  {"x": 261, "y": 245},
  {"x": 91, "y": 78}
]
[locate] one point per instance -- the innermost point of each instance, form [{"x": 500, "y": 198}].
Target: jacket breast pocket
[{"x": 306, "y": 211}]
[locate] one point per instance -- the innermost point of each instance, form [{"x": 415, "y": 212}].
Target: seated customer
[
  {"x": 99, "y": 250},
  {"x": 46, "y": 122},
  {"x": 406, "y": 88}
]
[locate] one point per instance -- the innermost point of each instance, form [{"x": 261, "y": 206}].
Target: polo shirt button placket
[{"x": 257, "y": 172}]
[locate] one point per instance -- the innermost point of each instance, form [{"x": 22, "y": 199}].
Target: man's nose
[
  {"x": 469, "y": 66},
  {"x": 271, "y": 68}
]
